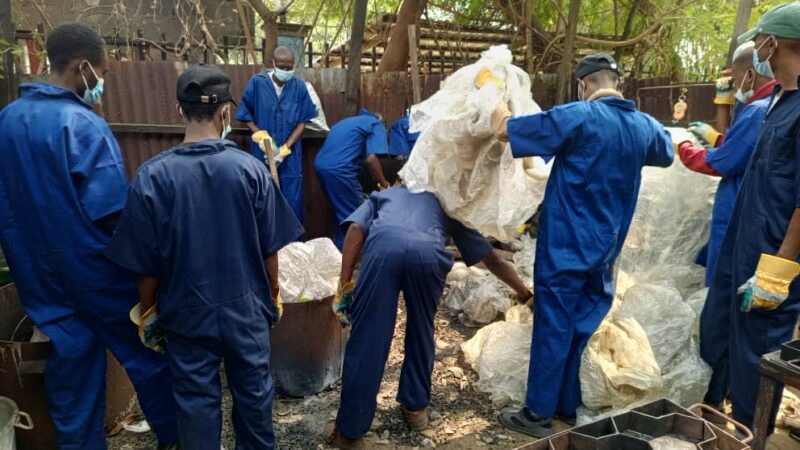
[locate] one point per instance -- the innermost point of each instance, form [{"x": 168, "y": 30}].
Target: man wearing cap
[
  {"x": 727, "y": 158},
  {"x": 757, "y": 263},
  {"x": 600, "y": 145},
  {"x": 350, "y": 143},
  {"x": 62, "y": 187},
  {"x": 202, "y": 227},
  {"x": 277, "y": 102}
]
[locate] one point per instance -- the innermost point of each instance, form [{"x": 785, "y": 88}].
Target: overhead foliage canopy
[{"x": 682, "y": 39}]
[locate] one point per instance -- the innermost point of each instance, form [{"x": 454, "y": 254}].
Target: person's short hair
[
  {"x": 199, "y": 112},
  {"x": 71, "y": 41}
]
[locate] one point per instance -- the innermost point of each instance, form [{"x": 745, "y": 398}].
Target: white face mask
[
  {"x": 581, "y": 90},
  {"x": 742, "y": 95},
  {"x": 93, "y": 95}
]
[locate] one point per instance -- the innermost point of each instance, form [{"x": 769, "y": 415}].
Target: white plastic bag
[
  {"x": 484, "y": 303},
  {"x": 618, "y": 367},
  {"x": 686, "y": 377},
  {"x": 474, "y": 176},
  {"x": 500, "y": 353},
  {"x": 319, "y": 123},
  {"x": 463, "y": 281},
  {"x": 309, "y": 271},
  {"x": 665, "y": 317}
]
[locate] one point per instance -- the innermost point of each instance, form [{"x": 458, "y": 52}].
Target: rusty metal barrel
[
  {"x": 307, "y": 348},
  {"x": 22, "y": 366}
]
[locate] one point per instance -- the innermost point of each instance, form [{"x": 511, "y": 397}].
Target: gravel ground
[{"x": 462, "y": 417}]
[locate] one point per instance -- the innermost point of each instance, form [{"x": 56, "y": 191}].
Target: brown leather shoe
[
  {"x": 417, "y": 420},
  {"x": 336, "y": 439}
]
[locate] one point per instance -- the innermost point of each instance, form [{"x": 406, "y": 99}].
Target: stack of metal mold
[{"x": 660, "y": 425}]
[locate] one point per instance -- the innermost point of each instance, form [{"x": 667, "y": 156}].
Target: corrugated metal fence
[{"x": 139, "y": 103}]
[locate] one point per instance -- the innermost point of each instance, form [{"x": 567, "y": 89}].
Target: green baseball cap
[{"x": 782, "y": 21}]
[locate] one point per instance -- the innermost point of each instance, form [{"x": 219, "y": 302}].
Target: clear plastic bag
[
  {"x": 463, "y": 281},
  {"x": 309, "y": 271},
  {"x": 475, "y": 176},
  {"x": 664, "y": 316},
  {"x": 499, "y": 353},
  {"x": 525, "y": 258},
  {"x": 484, "y": 303},
  {"x": 618, "y": 367},
  {"x": 686, "y": 377}
]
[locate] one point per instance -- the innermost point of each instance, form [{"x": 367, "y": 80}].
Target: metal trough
[{"x": 307, "y": 348}]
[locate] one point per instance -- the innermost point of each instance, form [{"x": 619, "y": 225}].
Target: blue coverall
[
  {"x": 61, "y": 174},
  {"x": 400, "y": 140},
  {"x": 730, "y": 160},
  {"x": 341, "y": 160},
  {"x": 202, "y": 218},
  {"x": 279, "y": 116},
  {"x": 600, "y": 148},
  {"x": 404, "y": 251},
  {"x": 768, "y": 197}
]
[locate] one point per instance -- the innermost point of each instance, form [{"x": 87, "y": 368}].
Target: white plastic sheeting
[
  {"x": 478, "y": 293},
  {"x": 475, "y": 176},
  {"x": 309, "y": 271},
  {"x": 500, "y": 353}
]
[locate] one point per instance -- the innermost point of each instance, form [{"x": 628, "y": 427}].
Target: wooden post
[
  {"x": 351, "y": 98},
  {"x": 740, "y": 26},
  {"x": 310, "y": 55},
  {"x": 225, "y": 47},
  {"x": 374, "y": 59},
  {"x": 565, "y": 68},
  {"x": 163, "y": 46},
  {"x": 7, "y": 34},
  {"x": 413, "y": 53},
  {"x": 326, "y": 58}
]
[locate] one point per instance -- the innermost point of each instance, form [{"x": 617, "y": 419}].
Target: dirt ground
[{"x": 462, "y": 417}]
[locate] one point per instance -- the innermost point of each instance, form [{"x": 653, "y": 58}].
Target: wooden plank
[
  {"x": 740, "y": 26},
  {"x": 413, "y": 54}
]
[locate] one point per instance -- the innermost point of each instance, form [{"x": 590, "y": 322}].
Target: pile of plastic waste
[
  {"x": 475, "y": 176},
  {"x": 309, "y": 271},
  {"x": 648, "y": 345},
  {"x": 475, "y": 295}
]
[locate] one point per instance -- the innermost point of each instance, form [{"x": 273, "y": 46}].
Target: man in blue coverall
[
  {"x": 727, "y": 158},
  {"x": 600, "y": 145},
  {"x": 350, "y": 143},
  {"x": 400, "y": 238},
  {"x": 62, "y": 186},
  {"x": 401, "y": 140},
  {"x": 202, "y": 227},
  {"x": 757, "y": 265},
  {"x": 278, "y": 102}
]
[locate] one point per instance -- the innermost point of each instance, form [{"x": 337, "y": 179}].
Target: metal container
[
  {"x": 22, "y": 366},
  {"x": 307, "y": 348},
  {"x": 10, "y": 418}
]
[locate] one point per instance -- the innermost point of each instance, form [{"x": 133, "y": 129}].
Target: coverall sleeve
[
  {"x": 277, "y": 225},
  {"x": 694, "y": 158},
  {"x": 472, "y": 245},
  {"x": 135, "y": 243},
  {"x": 731, "y": 158},
  {"x": 362, "y": 216},
  {"x": 96, "y": 167},
  {"x": 662, "y": 151},
  {"x": 247, "y": 111},
  {"x": 546, "y": 133},
  {"x": 376, "y": 141}
]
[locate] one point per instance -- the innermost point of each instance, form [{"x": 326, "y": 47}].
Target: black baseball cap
[
  {"x": 595, "y": 63},
  {"x": 204, "y": 83}
]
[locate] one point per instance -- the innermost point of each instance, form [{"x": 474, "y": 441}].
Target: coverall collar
[
  {"x": 765, "y": 91},
  {"x": 42, "y": 90},
  {"x": 203, "y": 147}
]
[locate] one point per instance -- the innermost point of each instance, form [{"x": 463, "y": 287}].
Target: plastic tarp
[
  {"x": 309, "y": 271},
  {"x": 475, "y": 176},
  {"x": 499, "y": 353},
  {"x": 319, "y": 123},
  {"x": 618, "y": 367}
]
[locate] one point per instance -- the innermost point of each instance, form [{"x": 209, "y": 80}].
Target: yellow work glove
[
  {"x": 527, "y": 300},
  {"x": 277, "y": 300},
  {"x": 769, "y": 287},
  {"x": 342, "y": 301},
  {"x": 726, "y": 94},
  {"x": 486, "y": 76},
  {"x": 705, "y": 133},
  {"x": 283, "y": 152},
  {"x": 499, "y": 122},
  {"x": 147, "y": 323}
]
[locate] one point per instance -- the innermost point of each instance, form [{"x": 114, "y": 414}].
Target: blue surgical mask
[
  {"x": 763, "y": 68},
  {"x": 92, "y": 96},
  {"x": 226, "y": 130},
  {"x": 745, "y": 96},
  {"x": 283, "y": 75}
]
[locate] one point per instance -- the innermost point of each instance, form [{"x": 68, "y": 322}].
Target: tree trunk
[
  {"x": 395, "y": 58},
  {"x": 354, "y": 59},
  {"x": 626, "y": 32},
  {"x": 740, "y": 26},
  {"x": 565, "y": 68},
  {"x": 270, "y": 29}
]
